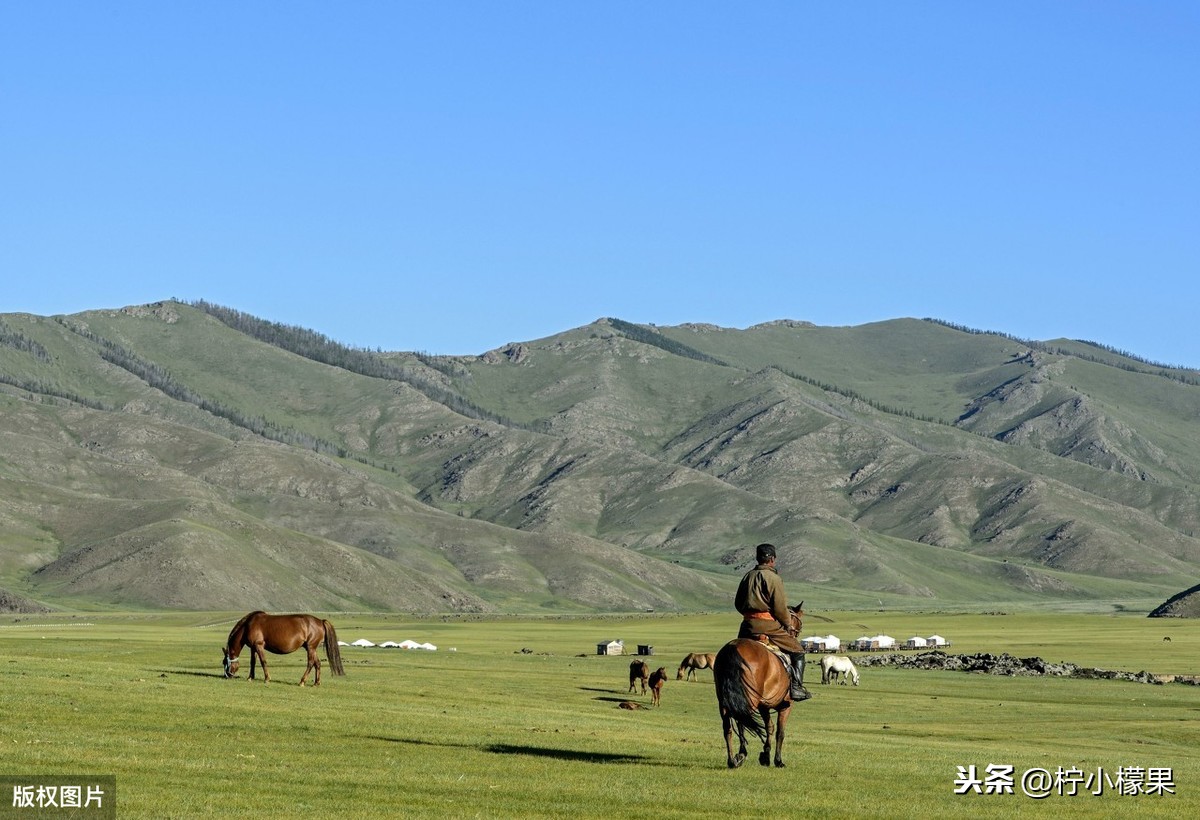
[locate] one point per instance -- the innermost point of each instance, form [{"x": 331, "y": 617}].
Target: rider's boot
[{"x": 796, "y": 670}]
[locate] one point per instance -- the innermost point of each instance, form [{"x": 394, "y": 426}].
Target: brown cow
[{"x": 657, "y": 679}]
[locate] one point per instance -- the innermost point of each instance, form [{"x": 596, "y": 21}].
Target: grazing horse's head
[{"x": 229, "y": 662}]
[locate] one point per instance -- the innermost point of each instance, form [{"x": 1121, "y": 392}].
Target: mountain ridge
[{"x": 608, "y": 467}]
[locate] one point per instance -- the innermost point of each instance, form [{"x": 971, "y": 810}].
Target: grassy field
[{"x": 482, "y": 728}]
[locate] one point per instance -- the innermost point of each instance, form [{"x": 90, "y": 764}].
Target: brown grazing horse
[
  {"x": 657, "y": 679},
  {"x": 638, "y": 671},
  {"x": 281, "y": 634},
  {"x": 751, "y": 682},
  {"x": 694, "y": 661}
]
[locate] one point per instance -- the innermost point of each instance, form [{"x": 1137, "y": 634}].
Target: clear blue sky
[{"x": 449, "y": 177}]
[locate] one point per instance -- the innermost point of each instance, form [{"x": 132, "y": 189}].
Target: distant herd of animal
[
  {"x": 750, "y": 679},
  {"x": 833, "y": 668}
]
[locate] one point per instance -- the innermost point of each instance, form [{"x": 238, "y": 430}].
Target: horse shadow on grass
[
  {"x": 190, "y": 672},
  {"x": 607, "y": 697},
  {"x": 575, "y": 755}
]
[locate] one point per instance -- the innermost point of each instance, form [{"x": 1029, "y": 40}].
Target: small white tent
[{"x": 916, "y": 642}]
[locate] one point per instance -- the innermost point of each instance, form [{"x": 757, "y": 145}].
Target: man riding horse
[{"x": 763, "y": 604}]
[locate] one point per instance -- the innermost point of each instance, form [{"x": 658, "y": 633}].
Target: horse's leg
[
  {"x": 262, "y": 660},
  {"x": 765, "y": 757},
  {"x": 780, "y": 723},
  {"x": 727, "y": 725},
  {"x": 313, "y": 660}
]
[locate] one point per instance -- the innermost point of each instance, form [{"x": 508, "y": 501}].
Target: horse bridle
[{"x": 230, "y": 660}]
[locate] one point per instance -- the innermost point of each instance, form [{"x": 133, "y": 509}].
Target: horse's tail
[
  {"x": 729, "y": 676},
  {"x": 331, "y": 649}
]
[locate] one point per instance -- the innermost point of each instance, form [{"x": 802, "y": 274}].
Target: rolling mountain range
[{"x": 192, "y": 456}]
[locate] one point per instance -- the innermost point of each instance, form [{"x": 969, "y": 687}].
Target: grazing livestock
[
  {"x": 657, "y": 679},
  {"x": 834, "y": 665},
  {"x": 752, "y": 681},
  {"x": 638, "y": 671},
  {"x": 281, "y": 634},
  {"x": 694, "y": 661}
]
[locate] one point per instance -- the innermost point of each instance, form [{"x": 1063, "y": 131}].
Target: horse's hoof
[
  {"x": 734, "y": 762},
  {"x": 764, "y": 759},
  {"x": 779, "y": 764}
]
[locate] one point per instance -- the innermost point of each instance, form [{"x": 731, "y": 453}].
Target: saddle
[
  {"x": 774, "y": 649},
  {"x": 795, "y": 673}
]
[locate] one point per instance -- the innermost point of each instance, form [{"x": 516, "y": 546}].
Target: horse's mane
[{"x": 239, "y": 626}]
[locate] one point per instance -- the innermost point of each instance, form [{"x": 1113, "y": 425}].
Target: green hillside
[{"x": 192, "y": 456}]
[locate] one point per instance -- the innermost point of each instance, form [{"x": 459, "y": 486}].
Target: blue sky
[{"x": 449, "y": 177}]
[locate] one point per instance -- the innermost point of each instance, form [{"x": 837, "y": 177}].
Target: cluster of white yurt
[
  {"x": 405, "y": 644},
  {"x": 918, "y": 642}
]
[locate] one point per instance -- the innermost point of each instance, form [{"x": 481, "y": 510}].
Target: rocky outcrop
[
  {"x": 1005, "y": 664},
  {"x": 1185, "y": 604},
  {"x": 11, "y": 602}
]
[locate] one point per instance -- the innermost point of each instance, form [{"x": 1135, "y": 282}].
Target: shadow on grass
[
  {"x": 275, "y": 682},
  {"x": 192, "y": 673},
  {"x": 575, "y": 755},
  {"x": 564, "y": 754}
]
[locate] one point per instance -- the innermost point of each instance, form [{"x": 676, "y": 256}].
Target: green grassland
[{"x": 519, "y": 718}]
